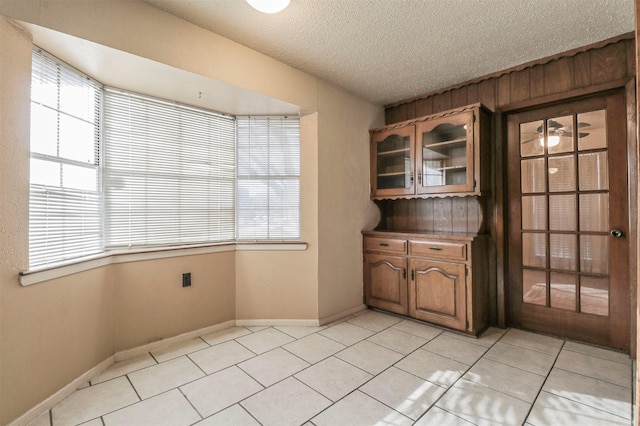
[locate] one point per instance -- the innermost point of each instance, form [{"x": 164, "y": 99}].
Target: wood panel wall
[
  {"x": 569, "y": 73},
  {"x": 599, "y": 67},
  {"x": 637, "y": 257}
]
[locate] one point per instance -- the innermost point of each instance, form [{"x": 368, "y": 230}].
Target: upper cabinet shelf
[{"x": 433, "y": 156}]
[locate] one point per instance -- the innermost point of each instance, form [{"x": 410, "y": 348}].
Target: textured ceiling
[{"x": 389, "y": 50}]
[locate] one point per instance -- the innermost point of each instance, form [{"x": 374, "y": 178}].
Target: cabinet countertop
[{"x": 418, "y": 234}]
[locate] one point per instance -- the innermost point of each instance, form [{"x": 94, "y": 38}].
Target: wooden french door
[{"x": 568, "y": 225}]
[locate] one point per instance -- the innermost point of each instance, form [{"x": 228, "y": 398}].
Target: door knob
[{"x": 616, "y": 233}]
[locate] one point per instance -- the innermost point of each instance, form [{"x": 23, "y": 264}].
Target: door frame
[{"x": 500, "y": 219}]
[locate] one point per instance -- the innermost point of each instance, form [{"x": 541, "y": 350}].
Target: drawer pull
[
  {"x": 435, "y": 248},
  {"x": 384, "y": 244}
]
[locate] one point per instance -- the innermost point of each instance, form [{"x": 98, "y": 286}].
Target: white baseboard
[
  {"x": 165, "y": 343},
  {"x": 60, "y": 395},
  {"x": 278, "y": 322},
  {"x": 340, "y": 315}
]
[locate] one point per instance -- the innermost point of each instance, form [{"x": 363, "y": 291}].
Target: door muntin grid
[{"x": 565, "y": 221}]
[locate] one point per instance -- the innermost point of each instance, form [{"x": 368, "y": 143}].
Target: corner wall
[
  {"x": 284, "y": 284},
  {"x": 344, "y": 205},
  {"x": 51, "y": 333}
]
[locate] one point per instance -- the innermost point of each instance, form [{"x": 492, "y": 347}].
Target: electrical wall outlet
[{"x": 186, "y": 279}]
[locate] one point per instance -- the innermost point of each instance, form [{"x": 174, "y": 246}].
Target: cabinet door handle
[
  {"x": 404, "y": 273},
  {"x": 384, "y": 244},
  {"x": 419, "y": 178},
  {"x": 435, "y": 248},
  {"x": 413, "y": 275},
  {"x": 411, "y": 178}
]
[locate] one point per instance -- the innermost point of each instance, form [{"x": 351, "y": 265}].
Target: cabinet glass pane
[
  {"x": 562, "y": 212},
  {"x": 533, "y": 176},
  {"x": 562, "y": 250},
  {"x": 393, "y": 162},
  {"x": 530, "y": 137},
  {"x": 534, "y": 212},
  {"x": 594, "y": 295},
  {"x": 563, "y": 291},
  {"x": 562, "y": 175},
  {"x": 594, "y": 212},
  {"x": 560, "y": 134},
  {"x": 592, "y": 132},
  {"x": 534, "y": 250},
  {"x": 444, "y": 155},
  {"x": 594, "y": 250},
  {"x": 534, "y": 287},
  {"x": 593, "y": 171}
]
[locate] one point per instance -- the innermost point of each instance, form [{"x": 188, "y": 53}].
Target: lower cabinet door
[
  {"x": 386, "y": 283},
  {"x": 437, "y": 292}
]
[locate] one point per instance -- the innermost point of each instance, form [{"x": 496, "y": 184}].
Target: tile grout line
[
  {"x": 461, "y": 378},
  {"x": 311, "y": 365},
  {"x": 594, "y": 378},
  {"x": 191, "y": 404},
  {"x": 546, "y": 377},
  {"x": 374, "y": 375}
]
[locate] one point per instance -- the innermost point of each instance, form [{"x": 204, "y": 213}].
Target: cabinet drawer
[
  {"x": 438, "y": 249},
  {"x": 386, "y": 245}
]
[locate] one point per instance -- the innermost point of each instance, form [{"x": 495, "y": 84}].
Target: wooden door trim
[
  {"x": 626, "y": 109},
  {"x": 500, "y": 165},
  {"x": 563, "y": 97}
]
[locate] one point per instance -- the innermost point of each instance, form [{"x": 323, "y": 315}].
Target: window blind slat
[
  {"x": 268, "y": 178},
  {"x": 64, "y": 202},
  {"x": 169, "y": 172}
]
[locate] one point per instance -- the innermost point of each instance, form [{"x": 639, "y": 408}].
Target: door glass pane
[
  {"x": 594, "y": 254},
  {"x": 533, "y": 175},
  {"x": 444, "y": 155},
  {"x": 560, "y": 134},
  {"x": 562, "y": 176},
  {"x": 562, "y": 250},
  {"x": 593, "y": 171},
  {"x": 531, "y": 139},
  {"x": 563, "y": 291},
  {"x": 594, "y": 212},
  {"x": 594, "y": 295},
  {"x": 534, "y": 249},
  {"x": 562, "y": 212},
  {"x": 592, "y": 132},
  {"x": 534, "y": 212},
  {"x": 393, "y": 162},
  {"x": 534, "y": 287}
]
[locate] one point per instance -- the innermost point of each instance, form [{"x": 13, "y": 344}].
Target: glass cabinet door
[
  {"x": 446, "y": 155},
  {"x": 393, "y": 161}
]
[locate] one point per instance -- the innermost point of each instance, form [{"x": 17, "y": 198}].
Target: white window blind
[
  {"x": 65, "y": 200},
  {"x": 169, "y": 172},
  {"x": 268, "y": 178}
]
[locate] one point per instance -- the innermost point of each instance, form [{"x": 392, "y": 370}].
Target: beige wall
[
  {"x": 344, "y": 207},
  {"x": 55, "y": 331},
  {"x": 150, "y": 303},
  {"x": 284, "y": 285}
]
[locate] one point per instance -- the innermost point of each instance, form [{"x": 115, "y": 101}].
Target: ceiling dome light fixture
[
  {"x": 269, "y": 6},
  {"x": 553, "y": 140}
]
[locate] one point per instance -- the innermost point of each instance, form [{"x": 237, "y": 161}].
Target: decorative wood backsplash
[{"x": 448, "y": 215}]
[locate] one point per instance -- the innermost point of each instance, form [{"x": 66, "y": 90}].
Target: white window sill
[{"x": 49, "y": 272}]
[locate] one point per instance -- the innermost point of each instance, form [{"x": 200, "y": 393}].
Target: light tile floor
[{"x": 368, "y": 369}]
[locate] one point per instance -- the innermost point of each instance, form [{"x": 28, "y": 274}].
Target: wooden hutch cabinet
[
  {"x": 441, "y": 279},
  {"x": 435, "y": 275},
  {"x": 435, "y": 155}
]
